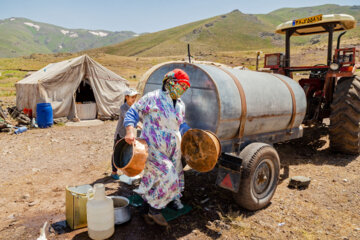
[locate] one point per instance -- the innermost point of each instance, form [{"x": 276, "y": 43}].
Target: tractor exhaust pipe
[{"x": 339, "y": 38}]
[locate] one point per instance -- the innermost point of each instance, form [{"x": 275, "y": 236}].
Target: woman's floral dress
[{"x": 163, "y": 179}]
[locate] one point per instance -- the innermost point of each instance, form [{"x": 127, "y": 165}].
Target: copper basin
[{"x": 130, "y": 159}]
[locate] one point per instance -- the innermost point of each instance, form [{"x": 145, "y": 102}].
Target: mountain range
[
  {"x": 21, "y": 36},
  {"x": 234, "y": 31}
]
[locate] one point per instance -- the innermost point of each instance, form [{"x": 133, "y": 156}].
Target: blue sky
[{"x": 140, "y": 15}]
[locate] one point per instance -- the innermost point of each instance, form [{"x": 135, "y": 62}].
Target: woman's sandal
[{"x": 159, "y": 219}]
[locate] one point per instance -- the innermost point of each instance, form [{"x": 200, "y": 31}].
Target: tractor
[{"x": 332, "y": 89}]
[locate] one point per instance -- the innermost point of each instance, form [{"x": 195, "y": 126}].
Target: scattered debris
[
  {"x": 26, "y": 196},
  {"x": 299, "y": 182},
  {"x": 18, "y": 123},
  {"x": 60, "y": 120},
  {"x": 59, "y": 227},
  {"x": 42, "y": 233},
  {"x": 33, "y": 203},
  {"x": 205, "y": 200},
  {"x": 281, "y": 224},
  {"x": 222, "y": 225},
  {"x": 20, "y": 130},
  {"x": 2, "y": 113},
  {"x": 19, "y": 116}
]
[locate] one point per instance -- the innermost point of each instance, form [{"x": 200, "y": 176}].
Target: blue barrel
[{"x": 44, "y": 115}]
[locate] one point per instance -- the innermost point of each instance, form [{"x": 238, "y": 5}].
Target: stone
[
  {"x": 26, "y": 196},
  {"x": 32, "y": 203},
  {"x": 299, "y": 182}
]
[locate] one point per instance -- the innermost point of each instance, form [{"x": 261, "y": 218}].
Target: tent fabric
[{"x": 57, "y": 83}]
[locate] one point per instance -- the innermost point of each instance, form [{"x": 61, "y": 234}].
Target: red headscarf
[{"x": 178, "y": 76}]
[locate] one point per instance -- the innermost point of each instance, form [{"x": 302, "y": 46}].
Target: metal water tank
[{"x": 237, "y": 105}]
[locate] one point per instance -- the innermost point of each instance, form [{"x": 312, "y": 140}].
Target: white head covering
[{"x": 131, "y": 92}]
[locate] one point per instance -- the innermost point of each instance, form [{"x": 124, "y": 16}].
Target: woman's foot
[
  {"x": 176, "y": 204},
  {"x": 115, "y": 176},
  {"x": 155, "y": 214}
]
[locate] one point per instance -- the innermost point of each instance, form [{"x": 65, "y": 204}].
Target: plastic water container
[
  {"x": 44, "y": 115},
  {"x": 100, "y": 214},
  {"x": 20, "y": 130}
]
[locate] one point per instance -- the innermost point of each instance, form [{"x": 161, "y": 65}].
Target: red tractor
[{"x": 332, "y": 90}]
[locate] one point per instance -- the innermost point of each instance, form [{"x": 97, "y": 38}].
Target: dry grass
[{"x": 132, "y": 68}]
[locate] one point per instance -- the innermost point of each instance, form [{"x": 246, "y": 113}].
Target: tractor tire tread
[{"x": 344, "y": 127}]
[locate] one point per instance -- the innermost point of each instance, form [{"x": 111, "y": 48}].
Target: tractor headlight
[{"x": 334, "y": 66}]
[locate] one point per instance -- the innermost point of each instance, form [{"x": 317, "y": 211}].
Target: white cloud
[{"x": 37, "y": 27}]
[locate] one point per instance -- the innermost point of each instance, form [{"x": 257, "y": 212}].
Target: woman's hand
[
  {"x": 130, "y": 137},
  {"x": 139, "y": 126}
]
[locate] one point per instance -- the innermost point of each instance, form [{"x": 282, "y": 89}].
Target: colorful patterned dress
[{"x": 163, "y": 179}]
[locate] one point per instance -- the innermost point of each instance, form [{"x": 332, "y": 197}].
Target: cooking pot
[{"x": 121, "y": 209}]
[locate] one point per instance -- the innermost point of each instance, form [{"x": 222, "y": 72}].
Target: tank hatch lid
[{"x": 317, "y": 24}]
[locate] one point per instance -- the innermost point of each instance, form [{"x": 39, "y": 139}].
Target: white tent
[{"x": 64, "y": 83}]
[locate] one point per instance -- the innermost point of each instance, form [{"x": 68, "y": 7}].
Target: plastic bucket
[{"x": 44, "y": 115}]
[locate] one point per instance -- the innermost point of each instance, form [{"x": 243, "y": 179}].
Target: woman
[{"x": 163, "y": 115}]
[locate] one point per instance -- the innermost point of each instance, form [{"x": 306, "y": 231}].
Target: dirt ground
[{"x": 36, "y": 166}]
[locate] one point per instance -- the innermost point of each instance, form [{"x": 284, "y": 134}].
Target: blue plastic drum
[{"x": 44, "y": 115}]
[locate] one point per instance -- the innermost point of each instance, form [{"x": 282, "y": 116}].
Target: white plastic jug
[{"x": 100, "y": 213}]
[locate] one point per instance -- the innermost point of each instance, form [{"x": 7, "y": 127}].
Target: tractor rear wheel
[{"x": 345, "y": 116}]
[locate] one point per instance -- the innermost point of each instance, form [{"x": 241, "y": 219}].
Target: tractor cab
[
  {"x": 319, "y": 86},
  {"x": 332, "y": 89},
  {"x": 320, "y": 24}
]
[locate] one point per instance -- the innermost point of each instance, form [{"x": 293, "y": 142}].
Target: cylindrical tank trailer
[{"x": 248, "y": 111}]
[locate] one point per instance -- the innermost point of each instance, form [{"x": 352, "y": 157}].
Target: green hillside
[
  {"x": 231, "y": 31},
  {"x": 234, "y": 31},
  {"x": 20, "y": 37}
]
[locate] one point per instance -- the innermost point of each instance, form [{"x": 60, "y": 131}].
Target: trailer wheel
[
  {"x": 259, "y": 178},
  {"x": 345, "y": 116}
]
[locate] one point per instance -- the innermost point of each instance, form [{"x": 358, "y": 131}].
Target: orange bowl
[{"x": 130, "y": 159}]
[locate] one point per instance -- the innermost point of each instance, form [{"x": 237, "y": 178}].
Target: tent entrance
[{"x": 85, "y": 101}]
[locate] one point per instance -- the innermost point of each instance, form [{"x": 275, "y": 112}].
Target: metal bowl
[{"x": 121, "y": 209}]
